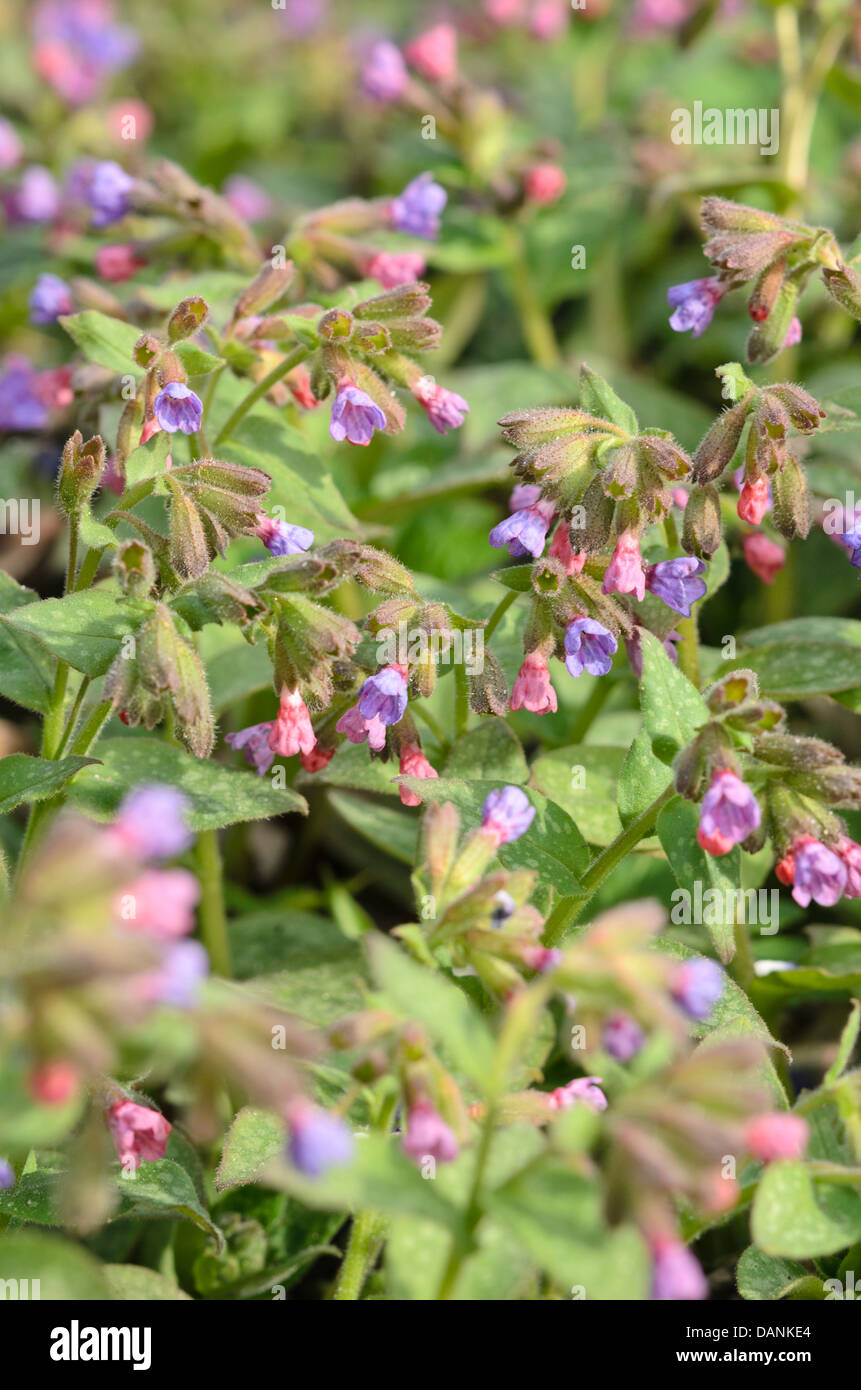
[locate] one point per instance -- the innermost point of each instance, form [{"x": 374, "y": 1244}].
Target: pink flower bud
[
  {"x": 292, "y": 731},
  {"x": 317, "y": 759},
  {"x": 118, "y": 263},
  {"x": 544, "y": 184},
  {"x": 754, "y": 501},
  {"x": 434, "y": 54},
  {"x": 764, "y": 556},
  {"x": 777, "y": 1135},
  {"x": 140, "y": 1135},
  {"x": 561, "y": 550},
  {"x": 160, "y": 902},
  {"x": 393, "y": 268},
  {"x": 413, "y": 763},
  {"x": 428, "y": 1135},
  {"x": 53, "y": 1083},
  {"x": 532, "y": 689},
  {"x": 625, "y": 573},
  {"x": 584, "y": 1088}
]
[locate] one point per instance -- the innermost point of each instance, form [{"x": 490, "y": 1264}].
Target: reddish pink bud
[
  {"x": 140, "y": 1135},
  {"x": 150, "y": 427},
  {"x": 785, "y": 869},
  {"x": 393, "y": 269},
  {"x": 299, "y": 384},
  {"x": 413, "y": 763},
  {"x": 292, "y": 731},
  {"x": 434, "y": 54},
  {"x": 317, "y": 759},
  {"x": 714, "y": 843},
  {"x": 118, "y": 263},
  {"x": 764, "y": 556},
  {"x": 130, "y": 120},
  {"x": 532, "y": 689},
  {"x": 754, "y": 501},
  {"x": 777, "y": 1135},
  {"x": 53, "y": 1083},
  {"x": 544, "y": 184},
  {"x": 561, "y": 550}
]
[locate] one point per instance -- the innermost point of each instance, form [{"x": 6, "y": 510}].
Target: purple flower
[
  {"x": 153, "y": 822},
  {"x": 302, "y": 17},
  {"x": 184, "y": 968},
  {"x": 507, "y": 814},
  {"x": 622, "y": 1037},
  {"x": 428, "y": 1135},
  {"x": 524, "y": 532},
  {"x": 445, "y": 409},
  {"x": 384, "y": 695},
  {"x": 21, "y": 406},
  {"x": 11, "y": 148},
  {"x": 355, "y": 416},
  {"x": 589, "y": 647},
  {"x": 524, "y": 495},
  {"x": 178, "y": 408},
  {"x": 254, "y": 742},
  {"x": 697, "y": 986},
  {"x": 384, "y": 72},
  {"x": 819, "y": 873},
  {"x": 677, "y": 582},
  {"x": 107, "y": 193},
  {"x": 694, "y": 302},
  {"x": 77, "y": 44},
  {"x": 7, "y": 1175},
  {"x": 676, "y": 1274},
  {"x": 730, "y": 812},
  {"x": 358, "y": 729},
  {"x": 37, "y": 197},
  {"x": 49, "y": 298},
  {"x": 318, "y": 1139},
  {"x": 283, "y": 537},
  {"x": 417, "y": 210}
]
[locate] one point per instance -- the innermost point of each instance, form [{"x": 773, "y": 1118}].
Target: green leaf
[
  {"x": 435, "y": 1002},
  {"x": 555, "y": 1214},
  {"x": 796, "y": 669},
  {"x": 85, "y": 629},
  {"x": 194, "y": 359},
  {"x": 848, "y": 1039},
  {"x": 582, "y": 780},
  {"x": 164, "y": 1188},
  {"x": 393, "y": 830},
  {"x": 217, "y": 795},
  {"x": 254, "y": 1137},
  {"x": 799, "y": 1219},
  {"x": 677, "y": 830},
  {"x": 642, "y": 779},
  {"x": 109, "y": 342},
  {"x": 64, "y": 1269},
  {"x": 673, "y": 708},
  {"x": 599, "y": 398},
  {"x": 24, "y": 778},
  {"x": 137, "y": 1284},
  {"x": 516, "y": 577},
  {"x": 26, "y": 669},
  {"x": 300, "y": 963},
  {"x": 148, "y": 460},
  {"x": 35, "y": 1198},
  {"x": 489, "y": 751},
  {"x": 763, "y": 1277}
]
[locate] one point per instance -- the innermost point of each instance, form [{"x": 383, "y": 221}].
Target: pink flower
[
  {"x": 445, "y": 409},
  {"x": 561, "y": 550},
  {"x": 247, "y": 199},
  {"x": 583, "y": 1088},
  {"x": 625, "y": 573},
  {"x": 777, "y": 1135},
  {"x": 544, "y": 184},
  {"x": 754, "y": 500},
  {"x": 505, "y": 12},
  {"x": 160, "y": 902},
  {"x": 394, "y": 268},
  {"x": 357, "y": 728},
  {"x": 532, "y": 689},
  {"x": 549, "y": 19},
  {"x": 434, "y": 54},
  {"x": 428, "y": 1135},
  {"x": 118, "y": 263},
  {"x": 413, "y": 763},
  {"x": 793, "y": 333},
  {"x": 764, "y": 556},
  {"x": 292, "y": 731},
  {"x": 130, "y": 119},
  {"x": 140, "y": 1135}
]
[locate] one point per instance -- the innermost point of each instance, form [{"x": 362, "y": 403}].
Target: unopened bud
[
  {"x": 791, "y": 499},
  {"x": 717, "y": 448},
  {"x": 701, "y": 532},
  {"x": 844, "y": 285},
  {"x": 80, "y": 470},
  {"x": 188, "y": 316}
]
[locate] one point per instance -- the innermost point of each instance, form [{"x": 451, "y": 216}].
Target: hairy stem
[
  {"x": 213, "y": 920},
  {"x": 278, "y": 371}
]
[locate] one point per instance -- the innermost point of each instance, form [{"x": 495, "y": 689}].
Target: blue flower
[
  {"x": 417, "y": 210},
  {"x": 677, "y": 582},
  {"x": 384, "y": 695},
  {"x": 178, "y": 408},
  {"x": 107, "y": 192},
  {"x": 49, "y": 298},
  {"x": 589, "y": 647}
]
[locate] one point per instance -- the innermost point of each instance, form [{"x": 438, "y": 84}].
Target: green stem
[
  {"x": 213, "y": 920},
  {"x": 461, "y": 701},
  {"x": 590, "y": 711},
  {"x": 689, "y": 648},
  {"x": 461, "y": 1243},
  {"x": 278, "y": 371},
  {"x": 73, "y": 714},
  {"x": 537, "y": 329},
  {"x": 567, "y": 910},
  {"x": 499, "y": 613},
  {"x": 365, "y": 1234},
  {"x": 91, "y": 729}
]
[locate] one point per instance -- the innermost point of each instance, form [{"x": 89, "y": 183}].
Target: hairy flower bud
[
  {"x": 188, "y": 316},
  {"x": 718, "y": 446},
  {"x": 844, "y": 285},
  {"x": 80, "y": 471},
  {"x": 791, "y": 499},
  {"x": 701, "y": 533}
]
